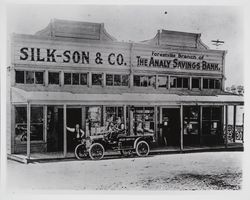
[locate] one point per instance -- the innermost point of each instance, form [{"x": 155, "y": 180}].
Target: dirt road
[{"x": 196, "y": 171}]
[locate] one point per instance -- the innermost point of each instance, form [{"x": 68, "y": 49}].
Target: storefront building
[{"x": 75, "y": 72}]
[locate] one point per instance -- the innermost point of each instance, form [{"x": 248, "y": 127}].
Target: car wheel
[
  {"x": 142, "y": 148},
  {"x": 81, "y": 152},
  {"x": 96, "y": 151}
]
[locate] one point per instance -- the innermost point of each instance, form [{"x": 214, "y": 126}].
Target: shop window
[
  {"x": 144, "y": 81},
  {"x": 54, "y": 78},
  {"x": 20, "y": 124},
  {"x": 195, "y": 83},
  {"x": 36, "y": 124},
  {"x": 114, "y": 117},
  {"x": 162, "y": 81},
  {"x": 19, "y": 76},
  {"x": 144, "y": 120},
  {"x": 96, "y": 79},
  {"x": 29, "y": 77},
  {"x": 178, "y": 82},
  {"x": 211, "y": 83},
  {"x": 191, "y": 120},
  {"x": 94, "y": 120},
  {"x": 211, "y": 120}
]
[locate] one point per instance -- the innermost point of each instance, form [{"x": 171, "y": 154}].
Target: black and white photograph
[{"x": 127, "y": 98}]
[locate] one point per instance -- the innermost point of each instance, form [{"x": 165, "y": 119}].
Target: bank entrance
[{"x": 170, "y": 127}]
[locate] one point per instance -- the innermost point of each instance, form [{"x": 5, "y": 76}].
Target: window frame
[
  {"x": 113, "y": 80},
  {"x": 59, "y": 75},
  {"x": 97, "y": 73},
  {"x": 25, "y": 124},
  {"x": 147, "y": 81},
  {"x": 176, "y": 79},
  {"x": 215, "y": 81},
  {"x": 34, "y": 76},
  {"x": 199, "y": 80}
]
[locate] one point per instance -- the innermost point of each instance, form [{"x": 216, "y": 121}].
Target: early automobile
[{"x": 96, "y": 145}]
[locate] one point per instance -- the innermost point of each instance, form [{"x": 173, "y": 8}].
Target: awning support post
[
  {"x": 28, "y": 131},
  {"x": 64, "y": 130},
  {"x": 125, "y": 116},
  {"x": 181, "y": 132},
  {"x": 234, "y": 124},
  {"x": 226, "y": 126}
]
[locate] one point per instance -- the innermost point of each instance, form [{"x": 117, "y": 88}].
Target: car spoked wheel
[
  {"x": 142, "y": 148},
  {"x": 96, "y": 151},
  {"x": 81, "y": 152}
]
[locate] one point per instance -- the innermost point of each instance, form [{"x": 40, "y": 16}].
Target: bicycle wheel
[{"x": 81, "y": 152}]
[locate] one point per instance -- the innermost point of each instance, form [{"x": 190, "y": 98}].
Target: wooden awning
[{"x": 42, "y": 97}]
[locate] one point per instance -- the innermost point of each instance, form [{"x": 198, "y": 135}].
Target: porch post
[
  {"x": 28, "y": 130},
  {"x": 156, "y": 123},
  {"x": 45, "y": 108},
  {"x": 181, "y": 132},
  {"x": 226, "y": 126},
  {"x": 64, "y": 130},
  {"x": 125, "y": 116},
  {"x": 234, "y": 124},
  {"x": 200, "y": 125},
  {"x": 131, "y": 131}
]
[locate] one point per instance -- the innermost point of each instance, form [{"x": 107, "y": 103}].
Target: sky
[{"x": 141, "y": 22}]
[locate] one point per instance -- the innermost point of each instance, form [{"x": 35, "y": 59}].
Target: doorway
[
  {"x": 74, "y": 116},
  {"x": 54, "y": 129},
  {"x": 170, "y": 126}
]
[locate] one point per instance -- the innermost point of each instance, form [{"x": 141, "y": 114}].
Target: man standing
[{"x": 78, "y": 134}]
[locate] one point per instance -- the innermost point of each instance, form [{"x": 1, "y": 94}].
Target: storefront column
[
  {"x": 156, "y": 123},
  {"x": 226, "y": 126},
  {"x": 131, "y": 132},
  {"x": 200, "y": 125},
  {"x": 181, "y": 132},
  {"x": 45, "y": 110},
  {"x": 234, "y": 123},
  {"x": 64, "y": 130},
  {"x": 125, "y": 116},
  {"x": 28, "y": 130}
]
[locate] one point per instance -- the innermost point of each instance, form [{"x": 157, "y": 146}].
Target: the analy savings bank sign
[{"x": 161, "y": 59}]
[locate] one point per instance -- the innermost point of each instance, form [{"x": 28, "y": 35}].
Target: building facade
[{"x": 75, "y": 72}]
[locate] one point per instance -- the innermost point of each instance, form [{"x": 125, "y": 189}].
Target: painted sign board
[{"x": 50, "y": 53}]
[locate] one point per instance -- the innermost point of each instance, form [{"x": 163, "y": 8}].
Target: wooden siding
[
  {"x": 106, "y": 49},
  {"x": 34, "y": 147}
]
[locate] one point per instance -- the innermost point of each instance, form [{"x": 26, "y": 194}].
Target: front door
[
  {"x": 74, "y": 116},
  {"x": 170, "y": 126}
]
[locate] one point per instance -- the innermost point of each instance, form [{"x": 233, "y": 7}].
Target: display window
[
  {"x": 144, "y": 120},
  {"x": 36, "y": 124}
]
